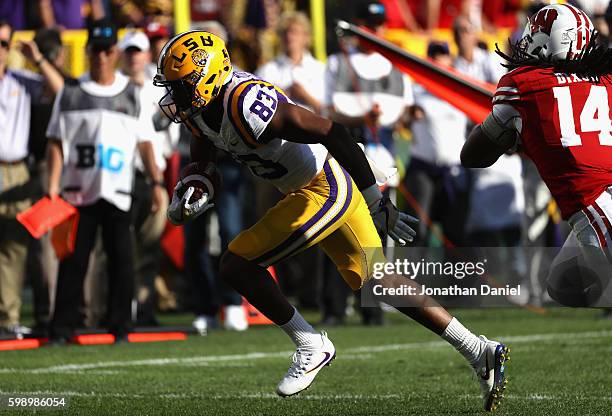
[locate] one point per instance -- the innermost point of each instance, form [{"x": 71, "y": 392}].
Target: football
[{"x": 204, "y": 177}]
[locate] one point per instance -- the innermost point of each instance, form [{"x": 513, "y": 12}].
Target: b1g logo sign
[{"x": 90, "y": 156}]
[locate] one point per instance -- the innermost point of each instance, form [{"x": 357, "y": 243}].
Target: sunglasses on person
[{"x": 4, "y": 43}]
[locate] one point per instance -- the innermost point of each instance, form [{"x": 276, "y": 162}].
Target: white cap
[{"x": 135, "y": 39}]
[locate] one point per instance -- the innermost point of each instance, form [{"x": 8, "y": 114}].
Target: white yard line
[{"x": 211, "y": 359}]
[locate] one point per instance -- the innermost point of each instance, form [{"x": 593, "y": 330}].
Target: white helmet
[{"x": 557, "y": 32}]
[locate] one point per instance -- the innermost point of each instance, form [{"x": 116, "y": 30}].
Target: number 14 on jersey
[{"x": 594, "y": 117}]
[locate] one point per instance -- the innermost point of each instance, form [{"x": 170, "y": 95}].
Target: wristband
[{"x": 159, "y": 183}]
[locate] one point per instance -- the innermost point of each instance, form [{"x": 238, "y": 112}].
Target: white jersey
[{"x": 249, "y": 104}]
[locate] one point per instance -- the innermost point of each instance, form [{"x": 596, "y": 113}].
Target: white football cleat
[
  {"x": 490, "y": 371},
  {"x": 235, "y": 318},
  {"x": 307, "y": 362}
]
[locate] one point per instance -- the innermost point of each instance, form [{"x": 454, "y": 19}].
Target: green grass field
[{"x": 560, "y": 365}]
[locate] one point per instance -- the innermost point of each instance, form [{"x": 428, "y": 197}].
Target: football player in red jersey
[{"x": 554, "y": 106}]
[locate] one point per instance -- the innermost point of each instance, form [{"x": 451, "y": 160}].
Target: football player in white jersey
[{"x": 331, "y": 199}]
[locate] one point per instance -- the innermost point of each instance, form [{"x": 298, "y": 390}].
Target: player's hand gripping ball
[
  {"x": 204, "y": 177},
  {"x": 195, "y": 192}
]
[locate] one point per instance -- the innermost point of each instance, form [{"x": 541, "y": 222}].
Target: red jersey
[{"x": 566, "y": 131}]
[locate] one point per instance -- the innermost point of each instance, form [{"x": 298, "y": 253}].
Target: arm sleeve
[{"x": 251, "y": 106}]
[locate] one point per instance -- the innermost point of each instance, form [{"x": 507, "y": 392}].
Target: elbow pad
[{"x": 503, "y": 126}]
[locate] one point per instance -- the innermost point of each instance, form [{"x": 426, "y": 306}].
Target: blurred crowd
[{"x": 122, "y": 273}]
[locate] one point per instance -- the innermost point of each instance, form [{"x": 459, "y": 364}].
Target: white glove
[
  {"x": 181, "y": 211},
  {"x": 388, "y": 220}
]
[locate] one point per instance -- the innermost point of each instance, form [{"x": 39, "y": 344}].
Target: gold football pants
[{"x": 329, "y": 211}]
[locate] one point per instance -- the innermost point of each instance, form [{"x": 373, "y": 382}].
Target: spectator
[
  {"x": 607, "y": 16},
  {"x": 201, "y": 269},
  {"x": 140, "y": 64},
  {"x": 335, "y": 295},
  {"x": 13, "y": 13},
  {"x": 95, "y": 129},
  {"x": 497, "y": 202},
  {"x": 366, "y": 93},
  {"x": 427, "y": 15},
  {"x": 49, "y": 42},
  {"x": 42, "y": 263},
  {"x": 593, "y": 8},
  {"x": 502, "y": 13},
  {"x": 434, "y": 175},
  {"x": 135, "y": 57},
  {"x": 18, "y": 89},
  {"x": 158, "y": 35},
  {"x": 168, "y": 132},
  {"x": 528, "y": 11},
  {"x": 148, "y": 224},
  {"x": 254, "y": 23},
  {"x": 68, "y": 14},
  {"x": 541, "y": 228},
  {"x": 214, "y": 27},
  {"x": 363, "y": 90},
  {"x": 207, "y": 10},
  {"x": 399, "y": 15},
  {"x": 472, "y": 60},
  {"x": 296, "y": 71},
  {"x": 139, "y": 12},
  {"x": 496, "y": 220}
]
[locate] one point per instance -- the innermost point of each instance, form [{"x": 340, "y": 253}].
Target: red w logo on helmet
[{"x": 543, "y": 21}]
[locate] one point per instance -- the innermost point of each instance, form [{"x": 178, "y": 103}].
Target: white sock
[
  {"x": 301, "y": 332},
  {"x": 468, "y": 344}
]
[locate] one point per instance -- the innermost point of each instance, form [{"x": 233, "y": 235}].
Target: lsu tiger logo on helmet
[{"x": 193, "y": 66}]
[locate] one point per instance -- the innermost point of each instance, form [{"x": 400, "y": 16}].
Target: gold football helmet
[{"x": 193, "y": 66}]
